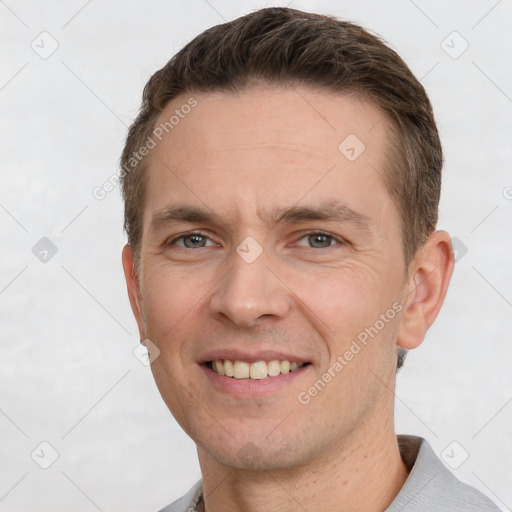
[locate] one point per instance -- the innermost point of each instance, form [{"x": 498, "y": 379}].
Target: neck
[{"x": 365, "y": 473}]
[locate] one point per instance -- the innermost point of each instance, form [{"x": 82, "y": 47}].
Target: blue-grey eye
[
  {"x": 317, "y": 240},
  {"x": 194, "y": 241}
]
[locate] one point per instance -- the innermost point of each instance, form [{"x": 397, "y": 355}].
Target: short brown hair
[{"x": 288, "y": 47}]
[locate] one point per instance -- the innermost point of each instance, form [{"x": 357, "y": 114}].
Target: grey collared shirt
[{"x": 430, "y": 487}]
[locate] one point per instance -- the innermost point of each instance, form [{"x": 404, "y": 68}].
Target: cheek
[
  {"x": 169, "y": 295},
  {"x": 170, "y": 302},
  {"x": 354, "y": 309},
  {"x": 344, "y": 299},
  {"x": 170, "y": 306}
]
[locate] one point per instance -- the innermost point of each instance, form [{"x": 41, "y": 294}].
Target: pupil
[
  {"x": 322, "y": 240},
  {"x": 195, "y": 241}
]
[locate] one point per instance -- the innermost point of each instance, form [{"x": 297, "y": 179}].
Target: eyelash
[{"x": 309, "y": 233}]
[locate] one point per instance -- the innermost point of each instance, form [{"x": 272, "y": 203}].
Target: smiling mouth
[{"x": 256, "y": 371}]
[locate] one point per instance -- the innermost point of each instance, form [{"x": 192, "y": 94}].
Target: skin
[{"x": 239, "y": 156}]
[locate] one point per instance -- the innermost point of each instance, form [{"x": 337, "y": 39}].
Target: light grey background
[{"x": 69, "y": 375}]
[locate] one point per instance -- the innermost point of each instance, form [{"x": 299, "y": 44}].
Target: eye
[
  {"x": 191, "y": 241},
  {"x": 318, "y": 240}
]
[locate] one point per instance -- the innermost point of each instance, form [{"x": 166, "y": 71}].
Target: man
[{"x": 281, "y": 185}]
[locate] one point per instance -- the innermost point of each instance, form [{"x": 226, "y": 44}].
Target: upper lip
[{"x": 251, "y": 356}]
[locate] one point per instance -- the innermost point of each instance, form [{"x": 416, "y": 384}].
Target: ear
[
  {"x": 430, "y": 274},
  {"x": 133, "y": 285}
]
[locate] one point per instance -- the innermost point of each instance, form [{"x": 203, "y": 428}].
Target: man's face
[{"x": 255, "y": 283}]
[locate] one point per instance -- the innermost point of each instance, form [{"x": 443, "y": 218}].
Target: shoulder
[
  {"x": 431, "y": 486},
  {"x": 188, "y": 502}
]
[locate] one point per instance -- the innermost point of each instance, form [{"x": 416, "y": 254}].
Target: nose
[{"x": 249, "y": 292}]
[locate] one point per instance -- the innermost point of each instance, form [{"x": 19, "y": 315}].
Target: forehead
[
  {"x": 264, "y": 146},
  {"x": 311, "y": 118}
]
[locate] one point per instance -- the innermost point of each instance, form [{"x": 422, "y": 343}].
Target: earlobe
[
  {"x": 133, "y": 286},
  {"x": 425, "y": 292}
]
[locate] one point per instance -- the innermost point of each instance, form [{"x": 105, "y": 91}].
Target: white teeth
[
  {"x": 228, "y": 368},
  {"x": 285, "y": 366},
  {"x": 257, "y": 370},
  {"x": 241, "y": 370},
  {"x": 218, "y": 366},
  {"x": 273, "y": 368}
]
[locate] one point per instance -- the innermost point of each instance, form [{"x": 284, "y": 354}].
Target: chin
[{"x": 254, "y": 455}]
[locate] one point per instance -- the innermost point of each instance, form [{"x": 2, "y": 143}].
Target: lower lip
[{"x": 252, "y": 387}]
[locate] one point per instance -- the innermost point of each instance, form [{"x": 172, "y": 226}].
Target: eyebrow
[{"x": 333, "y": 211}]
